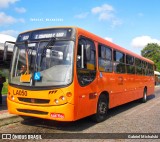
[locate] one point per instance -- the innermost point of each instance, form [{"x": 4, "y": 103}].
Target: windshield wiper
[
  {"x": 30, "y": 53},
  {"x": 27, "y": 63},
  {"x": 48, "y": 46}
]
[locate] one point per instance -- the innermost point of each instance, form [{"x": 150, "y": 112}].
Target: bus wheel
[
  {"x": 144, "y": 99},
  {"x": 102, "y": 109}
]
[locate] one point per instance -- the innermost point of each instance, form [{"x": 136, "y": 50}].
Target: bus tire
[
  {"x": 102, "y": 109},
  {"x": 144, "y": 99}
]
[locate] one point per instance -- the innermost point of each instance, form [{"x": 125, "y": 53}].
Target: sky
[{"x": 131, "y": 24}]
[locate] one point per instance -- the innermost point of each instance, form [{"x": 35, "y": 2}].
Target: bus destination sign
[{"x": 45, "y": 34}]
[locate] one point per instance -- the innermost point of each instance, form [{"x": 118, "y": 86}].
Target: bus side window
[
  {"x": 130, "y": 66},
  {"x": 150, "y": 70},
  {"x": 105, "y": 58},
  {"x": 119, "y": 62},
  {"x": 138, "y": 64}
]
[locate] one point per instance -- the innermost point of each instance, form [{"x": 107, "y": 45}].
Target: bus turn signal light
[{"x": 68, "y": 94}]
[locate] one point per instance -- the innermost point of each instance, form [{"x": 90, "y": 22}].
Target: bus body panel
[
  {"x": 129, "y": 90},
  {"x": 60, "y": 113},
  {"x": 43, "y": 100},
  {"x": 122, "y": 88},
  {"x": 87, "y": 98}
]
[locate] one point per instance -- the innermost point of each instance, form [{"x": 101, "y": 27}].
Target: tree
[{"x": 152, "y": 52}]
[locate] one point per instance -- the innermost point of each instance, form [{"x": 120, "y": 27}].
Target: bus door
[{"x": 86, "y": 86}]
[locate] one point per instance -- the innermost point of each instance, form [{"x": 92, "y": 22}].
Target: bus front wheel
[{"x": 102, "y": 109}]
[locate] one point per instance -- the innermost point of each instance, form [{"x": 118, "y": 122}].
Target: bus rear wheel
[
  {"x": 144, "y": 99},
  {"x": 102, "y": 109}
]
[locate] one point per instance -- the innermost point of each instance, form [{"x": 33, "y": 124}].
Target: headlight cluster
[{"x": 62, "y": 98}]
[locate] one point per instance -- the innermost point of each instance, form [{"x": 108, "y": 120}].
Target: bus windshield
[{"x": 53, "y": 62}]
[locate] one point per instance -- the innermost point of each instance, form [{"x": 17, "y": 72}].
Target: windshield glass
[{"x": 46, "y": 64}]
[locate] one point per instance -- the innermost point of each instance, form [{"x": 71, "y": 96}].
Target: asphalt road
[{"x": 134, "y": 117}]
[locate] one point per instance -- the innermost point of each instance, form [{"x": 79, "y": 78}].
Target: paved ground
[
  {"x": 5, "y": 117},
  {"x": 134, "y": 117}
]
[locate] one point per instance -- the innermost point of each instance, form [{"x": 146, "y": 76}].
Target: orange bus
[{"x": 67, "y": 73}]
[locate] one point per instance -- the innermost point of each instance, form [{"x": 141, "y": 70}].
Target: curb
[{"x": 6, "y": 118}]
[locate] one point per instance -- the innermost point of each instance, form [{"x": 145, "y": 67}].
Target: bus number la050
[{"x": 20, "y": 92}]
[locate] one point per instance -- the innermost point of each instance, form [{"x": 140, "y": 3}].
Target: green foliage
[
  {"x": 152, "y": 52},
  {"x": 5, "y": 88},
  {"x": 4, "y": 73}
]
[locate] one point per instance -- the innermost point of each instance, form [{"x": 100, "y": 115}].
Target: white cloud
[
  {"x": 105, "y": 16},
  {"x": 10, "y": 32},
  {"x": 103, "y": 8},
  {"x": 116, "y": 22},
  {"x": 82, "y": 15},
  {"x": 20, "y": 9},
  {"x": 142, "y": 41},
  {"x": 6, "y": 3},
  {"x": 105, "y": 12},
  {"x": 6, "y": 19},
  {"x": 109, "y": 39}
]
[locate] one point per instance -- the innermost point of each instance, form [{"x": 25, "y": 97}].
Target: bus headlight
[
  {"x": 12, "y": 98},
  {"x": 56, "y": 101},
  {"x": 62, "y": 98}
]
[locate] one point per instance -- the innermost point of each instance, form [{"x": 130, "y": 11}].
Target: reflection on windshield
[{"x": 53, "y": 62}]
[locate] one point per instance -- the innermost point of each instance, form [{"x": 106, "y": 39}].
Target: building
[{"x": 3, "y": 39}]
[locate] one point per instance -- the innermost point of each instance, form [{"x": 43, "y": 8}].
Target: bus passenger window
[
  {"x": 138, "y": 64},
  {"x": 130, "y": 64},
  {"x": 105, "y": 58},
  {"x": 119, "y": 62},
  {"x": 150, "y": 70}
]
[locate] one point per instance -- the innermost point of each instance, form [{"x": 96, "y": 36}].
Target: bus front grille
[
  {"x": 35, "y": 101},
  {"x": 32, "y": 111}
]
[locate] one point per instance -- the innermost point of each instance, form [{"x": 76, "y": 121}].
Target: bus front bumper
[{"x": 59, "y": 113}]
